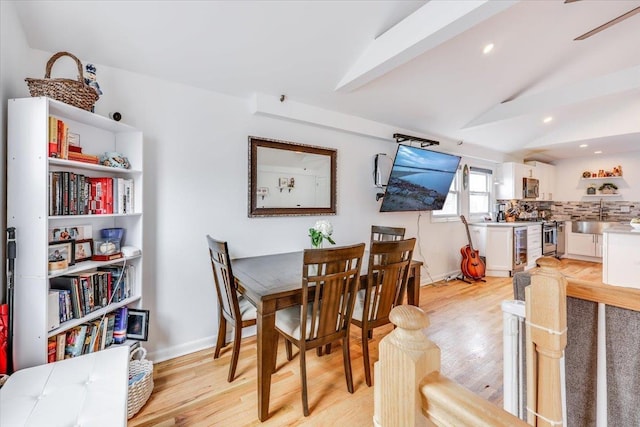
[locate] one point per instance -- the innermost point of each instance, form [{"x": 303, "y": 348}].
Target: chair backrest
[
  {"x": 223, "y": 278},
  {"x": 387, "y": 275},
  {"x": 381, "y": 233},
  {"x": 330, "y": 280}
]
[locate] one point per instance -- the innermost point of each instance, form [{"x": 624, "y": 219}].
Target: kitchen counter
[
  {"x": 506, "y": 224},
  {"x": 621, "y": 229}
]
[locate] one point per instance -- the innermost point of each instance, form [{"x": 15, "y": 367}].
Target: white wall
[
  {"x": 570, "y": 188},
  {"x": 15, "y": 53},
  {"x": 196, "y": 150}
]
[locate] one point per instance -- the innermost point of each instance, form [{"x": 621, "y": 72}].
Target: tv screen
[{"x": 419, "y": 180}]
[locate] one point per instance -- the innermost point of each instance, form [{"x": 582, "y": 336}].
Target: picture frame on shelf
[
  {"x": 61, "y": 252},
  {"x": 70, "y": 232},
  {"x": 138, "y": 324},
  {"x": 83, "y": 250}
]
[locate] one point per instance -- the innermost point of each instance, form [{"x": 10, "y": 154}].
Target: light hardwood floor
[{"x": 466, "y": 323}]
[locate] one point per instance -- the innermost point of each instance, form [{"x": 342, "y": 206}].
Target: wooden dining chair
[
  {"x": 232, "y": 307},
  {"x": 381, "y": 233},
  {"x": 330, "y": 280},
  {"x": 387, "y": 275}
]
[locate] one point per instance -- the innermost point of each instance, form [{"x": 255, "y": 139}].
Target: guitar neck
[{"x": 464, "y": 221}]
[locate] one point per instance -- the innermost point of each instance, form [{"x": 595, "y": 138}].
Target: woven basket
[
  {"x": 141, "y": 388},
  {"x": 72, "y": 92}
]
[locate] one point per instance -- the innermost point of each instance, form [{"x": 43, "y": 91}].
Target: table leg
[{"x": 267, "y": 351}]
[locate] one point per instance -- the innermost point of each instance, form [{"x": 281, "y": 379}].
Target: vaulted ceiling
[{"x": 418, "y": 65}]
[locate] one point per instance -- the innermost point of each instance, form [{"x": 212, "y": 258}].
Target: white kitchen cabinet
[
  {"x": 583, "y": 244},
  {"x": 511, "y": 175},
  {"x": 534, "y": 244},
  {"x": 495, "y": 243},
  {"x": 621, "y": 259},
  {"x": 546, "y": 174}
]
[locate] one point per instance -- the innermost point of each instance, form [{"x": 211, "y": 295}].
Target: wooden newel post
[
  {"x": 546, "y": 311},
  {"x": 406, "y": 356}
]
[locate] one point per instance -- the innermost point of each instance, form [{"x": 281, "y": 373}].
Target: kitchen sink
[{"x": 591, "y": 226}]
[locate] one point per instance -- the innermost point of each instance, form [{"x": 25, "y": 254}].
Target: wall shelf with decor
[
  {"x": 603, "y": 178},
  {"x": 50, "y": 202}
]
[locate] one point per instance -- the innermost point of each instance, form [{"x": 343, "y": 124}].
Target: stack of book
[
  {"x": 83, "y": 339},
  {"x": 92, "y": 290},
  {"x": 76, "y": 194},
  {"x": 66, "y": 145}
]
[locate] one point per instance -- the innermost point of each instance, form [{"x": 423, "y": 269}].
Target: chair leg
[
  {"x": 320, "y": 351},
  {"x": 365, "y": 357},
  {"x": 287, "y": 345},
  {"x": 347, "y": 363},
  {"x": 303, "y": 374},
  {"x": 327, "y": 349},
  {"x": 222, "y": 336},
  {"x": 236, "y": 352},
  {"x": 370, "y": 333}
]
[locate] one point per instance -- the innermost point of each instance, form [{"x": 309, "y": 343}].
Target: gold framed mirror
[{"x": 291, "y": 179}]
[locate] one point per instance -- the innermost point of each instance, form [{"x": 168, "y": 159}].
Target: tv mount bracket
[{"x": 423, "y": 142}]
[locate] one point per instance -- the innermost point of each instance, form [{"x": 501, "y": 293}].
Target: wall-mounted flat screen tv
[{"x": 419, "y": 180}]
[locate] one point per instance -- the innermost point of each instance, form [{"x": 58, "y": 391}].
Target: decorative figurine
[{"x": 90, "y": 78}]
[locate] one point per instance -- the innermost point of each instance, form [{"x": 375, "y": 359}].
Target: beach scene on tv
[{"x": 419, "y": 180}]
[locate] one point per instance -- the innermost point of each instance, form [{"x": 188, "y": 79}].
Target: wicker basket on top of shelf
[{"x": 72, "y": 92}]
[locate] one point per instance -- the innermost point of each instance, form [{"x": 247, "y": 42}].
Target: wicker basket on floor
[
  {"x": 140, "y": 382},
  {"x": 72, "y": 92}
]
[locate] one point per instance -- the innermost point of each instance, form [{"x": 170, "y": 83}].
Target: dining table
[{"x": 274, "y": 282}]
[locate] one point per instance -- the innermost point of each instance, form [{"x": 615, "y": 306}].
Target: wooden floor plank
[{"x": 466, "y": 323}]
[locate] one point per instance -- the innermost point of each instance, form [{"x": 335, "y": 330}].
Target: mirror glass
[{"x": 289, "y": 179}]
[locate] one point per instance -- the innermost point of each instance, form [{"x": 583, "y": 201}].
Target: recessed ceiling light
[
  {"x": 488, "y": 48},
  {"x": 583, "y": 145},
  {"x": 547, "y": 119},
  {"x": 597, "y": 152}
]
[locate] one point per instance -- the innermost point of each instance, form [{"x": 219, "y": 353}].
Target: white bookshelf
[{"x": 28, "y": 167}]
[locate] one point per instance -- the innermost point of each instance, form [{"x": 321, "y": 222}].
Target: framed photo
[
  {"x": 63, "y": 251},
  {"x": 72, "y": 232},
  {"x": 83, "y": 250},
  {"x": 138, "y": 324}
]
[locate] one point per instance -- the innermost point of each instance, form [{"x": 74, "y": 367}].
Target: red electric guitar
[{"x": 472, "y": 265}]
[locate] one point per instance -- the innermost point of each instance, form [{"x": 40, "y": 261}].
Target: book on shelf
[
  {"x": 75, "y": 341},
  {"x": 61, "y": 342},
  {"x": 85, "y": 158},
  {"x": 53, "y": 137},
  {"x": 109, "y": 257},
  {"x": 77, "y": 194},
  {"x": 111, "y": 321},
  {"x": 71, "y": 284},
  {"x": 51, "y": 349}
]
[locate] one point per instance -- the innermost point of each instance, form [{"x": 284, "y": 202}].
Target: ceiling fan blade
[{"x": 609, "y": 24}]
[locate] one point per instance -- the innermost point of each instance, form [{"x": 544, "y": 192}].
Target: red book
[
  {"x": 75, "y": 149},
  {"x": 108, "y": 182},
  {"x": 117, "y": 255},
  {"x": 51, "y": 350}
]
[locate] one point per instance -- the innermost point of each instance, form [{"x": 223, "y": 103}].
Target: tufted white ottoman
[{"x": 89, "y": 390}]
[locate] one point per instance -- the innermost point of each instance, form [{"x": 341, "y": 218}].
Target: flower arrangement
[{"x": 320, "y": 231}]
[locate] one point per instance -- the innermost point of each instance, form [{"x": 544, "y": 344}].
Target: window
[
  {"x": 451, "y": 208},
  {"x": 479, "y": 191}
]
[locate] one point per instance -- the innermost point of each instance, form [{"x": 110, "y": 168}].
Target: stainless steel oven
[
  {"x": 519, "y": 248},
  {"x": 549, "y": 238}
]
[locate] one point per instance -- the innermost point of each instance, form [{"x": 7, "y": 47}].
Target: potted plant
[{"x": 608, "y": 188}]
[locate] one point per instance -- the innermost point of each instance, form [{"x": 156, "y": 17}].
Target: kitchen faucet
[{"x": 601, "y": 213}]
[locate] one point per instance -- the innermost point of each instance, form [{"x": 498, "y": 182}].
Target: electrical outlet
[{"x": 625, "y": 209}]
